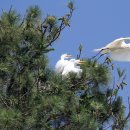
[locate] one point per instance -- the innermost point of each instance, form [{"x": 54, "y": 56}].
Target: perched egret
[
  {"x": 72, "y": 67},
  {"x": 118, "y": 49},
  {"x": 62, "y": 63}
]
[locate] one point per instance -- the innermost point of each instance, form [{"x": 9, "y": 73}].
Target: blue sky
[{"x": 94, "y": 24}]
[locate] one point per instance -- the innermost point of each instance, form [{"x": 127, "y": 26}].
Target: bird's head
[
  {"x": 77, "y": 61},
  {"x": 63, "y": 56},
  {"x": 81, "y": 62}
]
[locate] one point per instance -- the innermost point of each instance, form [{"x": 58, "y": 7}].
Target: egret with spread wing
[
  {"x": 59, "y": 67},
  {"x": 118, "y": 49},
  {"x": 72, "y": 67}
]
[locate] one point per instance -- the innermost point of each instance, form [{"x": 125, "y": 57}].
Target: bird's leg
[
  {"x": 101, "y": 55},
  {"x": 98, "y": 53}
]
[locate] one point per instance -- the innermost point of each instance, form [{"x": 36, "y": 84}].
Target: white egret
[
  {"x": 62, "y": 63},
  {"x": 72, "y": 67},
  {"x": 118, "y": 49}
]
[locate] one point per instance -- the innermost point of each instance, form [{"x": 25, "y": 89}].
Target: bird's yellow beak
[
  {"x": 69, "y": 56},
  {"x": 82, "y": 62}
]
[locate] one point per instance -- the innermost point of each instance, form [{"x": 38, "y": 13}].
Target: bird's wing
[
  {"x": 114, "y": 44},
  {"x": 118, "y": 42},
  {"x": 123, "y": 38},
  {"x": 121, "y": 54},
  {"x": 60, "y": 65},
  {"x": 67, "y": 69}
]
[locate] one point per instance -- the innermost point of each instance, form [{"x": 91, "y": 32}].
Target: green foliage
[
  {"x": 99, "y": 73},
  {"x": 33, "y": 96},
  {"x": 71, "y": 5},
  {"x": 9, "y": 118}
]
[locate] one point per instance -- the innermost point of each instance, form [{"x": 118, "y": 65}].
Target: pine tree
[{"x": 35, "y": 97}]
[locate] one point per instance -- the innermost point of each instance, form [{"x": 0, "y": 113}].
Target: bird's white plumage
[
  {"x": 118, "y": 43},
  {"x": 121, "y": 55},
  {"x": 72, "y": 67},
  {"x": 62, "y": 63},
  {"x": 118, "y": 49}
]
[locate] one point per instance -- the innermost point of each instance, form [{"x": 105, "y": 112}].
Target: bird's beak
[
  {"x": 69, "y": 56},
  {"x": 82, "y": 62}
]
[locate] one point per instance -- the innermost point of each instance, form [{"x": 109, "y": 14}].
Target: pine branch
[{"x": 61, "y": 27}]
